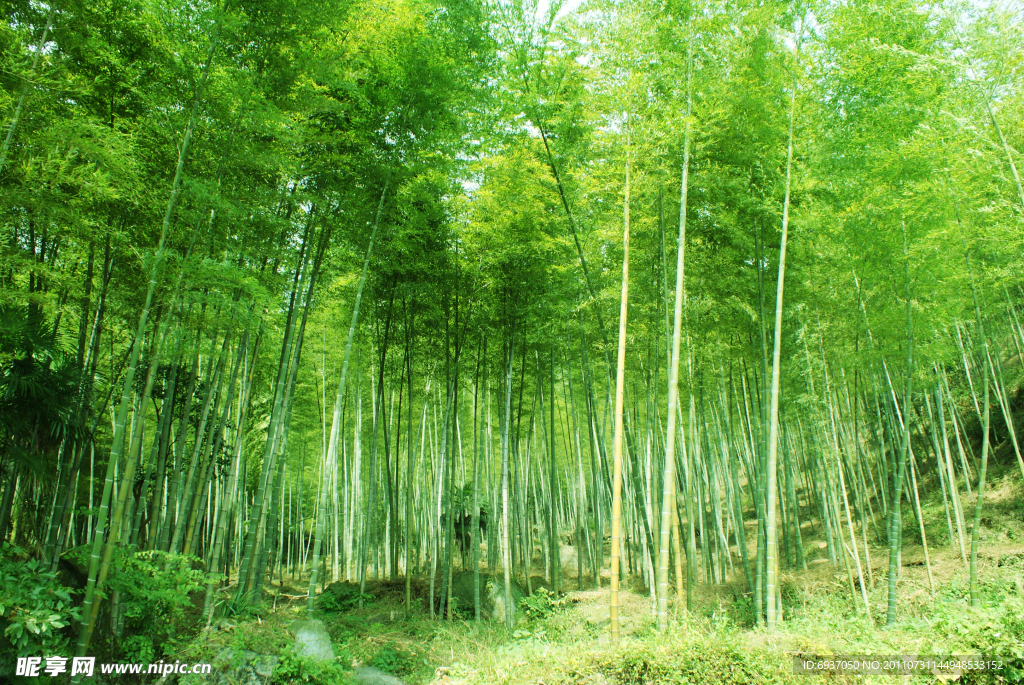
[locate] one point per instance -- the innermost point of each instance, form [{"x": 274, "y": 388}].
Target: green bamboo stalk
[
  {"x": 985, "y": 440},
  {"x": 951, "y": 475},
  {"x": 117, "y": 445},
  {"x": 976, "y": 528},
  {"x": 771, "y": 544},
  {"x": 895, "y": 518},
  {"x": 13, "y": 126},
  {"x": 553, "y": 542},
  {"x": 668, "y": 495},
  {"x": 506, "y": 551},
  {"x": 332, "y": 449},
  {"x": 220, "y": 531},
  {"x": 474, "y": 529},
  {"x": 620, "y": 372}
]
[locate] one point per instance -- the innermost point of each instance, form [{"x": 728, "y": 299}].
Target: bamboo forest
[{"x": 607, "y": 342}]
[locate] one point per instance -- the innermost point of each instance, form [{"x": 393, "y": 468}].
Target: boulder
[
  {"x": 312, "y": 640},
  {"x": 492, "y": 595},
  {"x": 73, "y": 567},
  {"x": 238, "y": 668},
  {"x": 568, "y": 558},
  {"x": 368, "y": 675}
]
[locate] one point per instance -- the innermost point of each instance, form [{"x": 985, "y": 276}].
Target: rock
[
  {"x": 73, "y": 567},
  {"x": 238, "y": 668},
  {"x": 492, "y": 595},
  {"x": 568, "y": 558},
  {"x": 368, "y": 675},
  {"x": 312, "y": 640},
  {"x": 224, "y": 624},
  {"x": 263, "y": 666}
]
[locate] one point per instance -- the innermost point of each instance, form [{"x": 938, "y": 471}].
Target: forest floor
[{"x": 715, "y": 643}]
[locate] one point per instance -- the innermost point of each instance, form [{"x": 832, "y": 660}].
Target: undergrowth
[{"x": 563, "y": 640}]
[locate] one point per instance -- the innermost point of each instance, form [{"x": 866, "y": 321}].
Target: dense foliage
[{"x": 294, "y": 292}]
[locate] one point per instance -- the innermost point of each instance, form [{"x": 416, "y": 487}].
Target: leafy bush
[
  {"x": 994, "y": 630},
  {"x": 154, "y": 588},
  {"x": 742, "y": 611},
  {"x": 296, "y": 668},
  {"x": 341, "y": 597},
  {"x": 394, "y": 660},
  {"x": 542, "y": 604},
  {"x": 539, "y": 635},
  {"x": 244, "y": 607},
  {"x": 34, "y": 606}
]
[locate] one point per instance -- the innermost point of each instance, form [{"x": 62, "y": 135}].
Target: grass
[{"x": 716, "y": 643}]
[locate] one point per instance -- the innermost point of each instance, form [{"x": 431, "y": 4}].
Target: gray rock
[
  {"x": 235, "y": 668},
  {"x": 263, "y": 666},
  {"x": 312, "y": 640},
  {"x": 368, "y": 675},
  {"x": 492, "y": 595}
]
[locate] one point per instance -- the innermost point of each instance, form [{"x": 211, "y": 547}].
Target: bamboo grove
[{"x": 400, "y": 290}]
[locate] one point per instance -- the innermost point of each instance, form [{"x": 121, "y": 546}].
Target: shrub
[
  {"x": 394, "y": 660},
  {"x": 994, "y": 630},
  {"x": 34, "y": 606},
  {"x": 743, "y": 612},
  {"x": 296, "y": 668},
  {"x": 154, "y": 587},
  {"x": 542, "y": 604},
  {"x": 341, "y": 597}
]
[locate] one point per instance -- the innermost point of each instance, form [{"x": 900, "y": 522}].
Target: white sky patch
[{"x": 566, "y": 8}]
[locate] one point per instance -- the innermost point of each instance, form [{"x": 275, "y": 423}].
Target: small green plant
[
  {"x": 635, "y": 668},
  {"x": 540, "y": 635},
  {"x": 246, "y": 607},
  {"x": 258, "y": 637},
  {"x": 542, "y": 604},
  {"x": 154, "y": 588},
  {"x": 995, "y": 630},
  {"x": 296, "y": 668},
  {"x": 742, "y": 611},
  {"x": 341, "y": 597},
  {"x": 34, "y": 606},
  {"x": 394, "y": 660}
]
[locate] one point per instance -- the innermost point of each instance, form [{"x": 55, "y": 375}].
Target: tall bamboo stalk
[
  {"x": 895, "y": 517},
  {"x": 620, "y": 381},
  {"x": 332, "y": 445},
  {"x": 771, "y": 545},
  {"x": 117, "y": 445},
  {"x": 668, "y": 496},
  {"x": 13, "y": 126}
]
